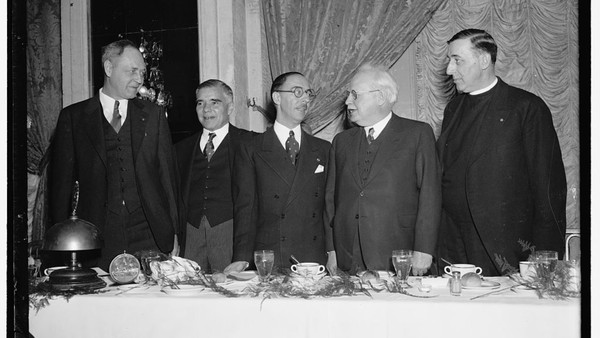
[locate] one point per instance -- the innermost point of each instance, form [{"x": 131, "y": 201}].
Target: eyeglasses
[
  {"x": 299, "y": 91},
  {"x": 354, "y": 93}
]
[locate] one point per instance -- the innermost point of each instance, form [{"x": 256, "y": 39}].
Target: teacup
[
  {"x": 308, "y": 269},
  {"x": 462, "y": 268},
  {"x": 48, "y": 271},
  {"x": 527, "y": 270}
]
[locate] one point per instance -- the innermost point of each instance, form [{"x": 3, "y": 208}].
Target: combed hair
[
  {"x": 280, "y": 80},
  {"x": 382, "y": 80},
  {"x": 214, "y": 83},
  {"x": 481, "y": 40},
  {"x": 115, "y": 49}
]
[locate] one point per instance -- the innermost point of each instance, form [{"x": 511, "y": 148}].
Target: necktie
[
  {"x": 116, "y": 118},
  {"x": 209, "y": 149},
  {"x": 370, "y": 137},
  {"x": 292, "y": 147}
]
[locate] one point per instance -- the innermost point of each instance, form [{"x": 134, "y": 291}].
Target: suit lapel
[
  {"x": 138, "y": 118},
  {"x": 352, "y": 159},
  {"x": 387, "y": 145},
  {"x": 273, "y": 154},
  {"x": 92, "y": 124},
  {"x": 308, "y": 160}
]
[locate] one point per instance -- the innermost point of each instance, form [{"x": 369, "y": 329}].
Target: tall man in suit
[
  {"x": 503, "y": 175},
  {"x": 383, "y": 184},
  {"x": 205, "y": 165},
  {"x": 119, "y": 149},
  {"x": 279, "y": 184}
]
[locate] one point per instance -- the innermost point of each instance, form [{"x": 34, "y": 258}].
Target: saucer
[
  {"x": 307, "y": 278},
  {"x": 184, "y": 290},
  {"x": 243, "y": 275},
  {"x": 485, "y": 285}
]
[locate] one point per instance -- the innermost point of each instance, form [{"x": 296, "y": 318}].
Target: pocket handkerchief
[{"x": 320, "y": 169}]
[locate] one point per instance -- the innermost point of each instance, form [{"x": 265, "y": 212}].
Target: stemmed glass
[
  {"x": 546, "y": 261},
  {"x": 264, "y": 259},
  {"x": 402, "y": 260}
]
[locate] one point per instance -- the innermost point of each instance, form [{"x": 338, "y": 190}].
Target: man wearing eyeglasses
[
  {"x": 279, "y": 184},
  {"x": 383, "y": 184},
  {"x": 205, "y": 162}
]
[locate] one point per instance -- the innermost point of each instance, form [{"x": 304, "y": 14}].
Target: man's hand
[
  {"x": 176, "y": 247},
  {"x": 238, "y": 266},
  {"x": 331, "y": 263},
  {"x": 420, "y": 263}
]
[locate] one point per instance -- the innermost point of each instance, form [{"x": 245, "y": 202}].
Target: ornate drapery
[
  {"x": 44, "y": 101},
  {"x": 538, "y": 51},
  {"x": 328, "y": 40}
]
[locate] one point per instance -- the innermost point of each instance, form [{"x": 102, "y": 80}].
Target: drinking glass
[
  {"x": 546, "y": 261},
  {"x": 402, "y": 260},
  {"x": 264, "y": 259}
]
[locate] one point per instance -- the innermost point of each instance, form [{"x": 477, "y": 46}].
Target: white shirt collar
[
  {"x": 108, "y": 105},
  {"x": 219, "y": 137},
  {"x": 283, "y": 133},
  {"x": 483, "y": 90},
  {"x": 378, "y": 127}
]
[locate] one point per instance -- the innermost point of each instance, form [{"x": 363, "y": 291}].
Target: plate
[
  {"x": 184, "y": 290},
  {"x": 485, "y": 285},
  {"x": 243, "y": 275}
]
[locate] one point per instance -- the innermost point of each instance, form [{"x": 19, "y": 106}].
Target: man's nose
[{"x": 450, "y": 69}]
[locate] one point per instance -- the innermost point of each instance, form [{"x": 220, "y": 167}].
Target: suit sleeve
[
  {"x": 62, "y": 168},
  {"x": 428, "y": 175},
  {"x": 244, "y": 200},
  {"x": 329, "y": 213},
  {"x": 168, "y": 169},
  {"x": 546, "y": 176}
]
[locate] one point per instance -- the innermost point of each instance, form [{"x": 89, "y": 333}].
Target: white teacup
[
  {"x": 48, "y": 271},
  {"x": 308, "y": 269},
  {"x": 462, "y": 268},
  {"x": 527, "y": 269}
]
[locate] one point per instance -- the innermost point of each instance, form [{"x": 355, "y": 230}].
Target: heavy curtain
[
  {"x": 44, "y": 101},
  {"x": 327, "y": 40},
  {"x": 538, "y": 51}
]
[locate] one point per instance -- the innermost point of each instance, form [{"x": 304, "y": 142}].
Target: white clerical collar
[
  {"x": 283, "y": 133},
  {"x": 378, "y": 127},
  {"x": 219, "y": 136},
  {"x": 481, "y": 91},
  {"x": 108, "y": 106}
]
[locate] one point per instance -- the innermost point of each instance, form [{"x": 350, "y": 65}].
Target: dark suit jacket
[
  {"x": 398, "y": 206},
  {"x": 275, "y": 209},
  {"x": 516, "y": 185},
  {"x": 79, "y": 154},
  {"x": 186, "y": 151}
]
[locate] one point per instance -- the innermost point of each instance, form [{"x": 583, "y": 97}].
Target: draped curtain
[
  {"x": 538, "y": 51},
  {"x": 44, "y": 101},
  {"x": 327, "y": 40}
]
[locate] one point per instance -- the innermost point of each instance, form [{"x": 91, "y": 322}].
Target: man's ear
[
  {"x": 230, "y": 109},
  {"x": 276, "y": 97},
  {"x": 380, "y": 95},
  {"x": 108, "y": 68},
  {"x": 485, "y": 60}
]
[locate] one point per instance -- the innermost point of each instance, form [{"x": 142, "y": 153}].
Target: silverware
[
  {"x": 294, "y": 259},
  {"x": 445, "y": 261}
]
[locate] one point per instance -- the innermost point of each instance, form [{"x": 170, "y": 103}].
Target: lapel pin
[{"x": 501, "y": 120}]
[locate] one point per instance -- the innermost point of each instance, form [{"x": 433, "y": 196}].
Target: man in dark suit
[
  {"x": 119, "y": 149},
  {"x": 383, "y": 183},
  {"x": 279, "y": 184},
  {"x": 503, "y": 175},
  {"x": 205, "y": 165}
]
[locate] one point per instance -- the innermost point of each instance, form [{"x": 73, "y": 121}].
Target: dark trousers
[{"x": 210, "y": 247}]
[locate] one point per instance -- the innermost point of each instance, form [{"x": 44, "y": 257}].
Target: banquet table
[{"x": 148, "y": 311}]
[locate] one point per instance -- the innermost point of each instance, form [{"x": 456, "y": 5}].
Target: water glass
[
  {"x": 402, "y": 260},
  {"x": 546, "y": 261},
  {"x": 264, "y": 260}
]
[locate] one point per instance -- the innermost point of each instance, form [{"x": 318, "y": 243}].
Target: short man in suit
[
  {"x": 503, "y": 174},
  {"x": 383, "y": 184},
  {"x": 279, "y": 184},
  {"x": 119, "y": 149},
  {"x": 205, "y": 162}
]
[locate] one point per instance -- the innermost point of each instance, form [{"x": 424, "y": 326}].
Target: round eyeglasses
[
  {"x": 355, "y": 93},
  {"x": 299, "y": 92}
]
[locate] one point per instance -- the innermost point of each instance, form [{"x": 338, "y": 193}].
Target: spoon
[
  {"x": 294, "y": 259},
  {"x": 445, "y": 261}
]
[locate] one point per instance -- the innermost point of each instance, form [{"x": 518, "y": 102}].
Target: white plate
[
  {"x": 485, "y": 285},
  {"x": 184, "y": 290},
  {"x": 243, "y": 275}
]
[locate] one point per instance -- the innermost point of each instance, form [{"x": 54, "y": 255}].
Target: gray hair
[
  {"x": 116, "y": 48},
  {"x": 382, "y": 80}
]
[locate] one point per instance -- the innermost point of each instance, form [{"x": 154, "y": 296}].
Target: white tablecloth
[{"x": 148, "y": 312}]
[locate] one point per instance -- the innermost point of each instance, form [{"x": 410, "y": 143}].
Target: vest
[
  {"x": 122, "y": 185},
  {"x": 366, "y": 153},
  {"x": 210, "y": 187}
]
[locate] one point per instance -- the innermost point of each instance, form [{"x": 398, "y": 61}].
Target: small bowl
[{"x": 425, "y": 288}]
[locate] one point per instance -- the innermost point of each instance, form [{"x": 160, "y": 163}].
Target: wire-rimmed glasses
[{"x": 354, "y": 94}]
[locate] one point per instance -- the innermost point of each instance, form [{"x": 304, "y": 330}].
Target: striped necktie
[
  {"x": 116, "y": 118},
  {"x": 209, "y": 149},
  {"x": 292, "y": 147}
]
